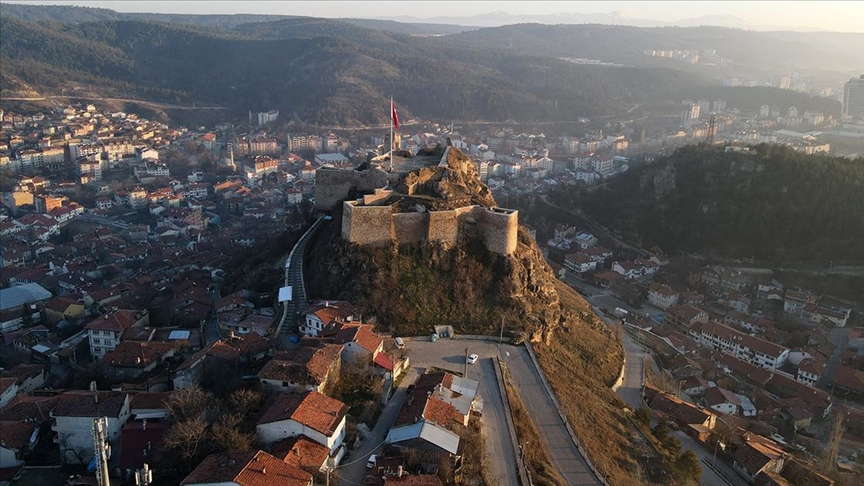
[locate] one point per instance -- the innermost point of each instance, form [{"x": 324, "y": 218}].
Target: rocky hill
[{"x": 410, "y": 288}]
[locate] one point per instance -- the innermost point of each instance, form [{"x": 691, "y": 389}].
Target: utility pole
[
  {"x": 144, "y": 477},
  {"x": 465, "y": 364},
  {"x": 501, "y": 336},
  {"x": 101, "y": 449}
]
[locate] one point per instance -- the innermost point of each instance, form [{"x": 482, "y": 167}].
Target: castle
[{"x": 431, "y": 202}]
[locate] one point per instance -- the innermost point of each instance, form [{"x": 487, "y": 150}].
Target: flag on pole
[{"x": 393, "y": 115}]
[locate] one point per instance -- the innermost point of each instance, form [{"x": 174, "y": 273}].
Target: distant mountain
[
  {"x": 341, "y": 72},
  {"x": 754, "y": 52},
  {"x": 311, "y": 68},
  {"x": 78, "y": 15}
]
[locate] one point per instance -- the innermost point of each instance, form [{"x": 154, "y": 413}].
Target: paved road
[
  {"x": 634, "y": 373},
  {"x": 353, "y": 470},
  {"x": 840, "y": 340},
  {"x": 565, "y": 456},
  {"x": 450, "y": 355}
]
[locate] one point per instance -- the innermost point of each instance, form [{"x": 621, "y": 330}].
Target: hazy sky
[{"x": 843, "y": 16}]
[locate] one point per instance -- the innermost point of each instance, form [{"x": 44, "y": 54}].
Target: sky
[{"x": 840, "y": 16}]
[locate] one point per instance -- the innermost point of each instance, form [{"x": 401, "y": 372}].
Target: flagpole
[{"x": 391, "y": 129}]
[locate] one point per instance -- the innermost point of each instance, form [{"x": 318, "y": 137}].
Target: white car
[
  {"x": 472, "y": 358},
  {"x": 372, "y": 459}
]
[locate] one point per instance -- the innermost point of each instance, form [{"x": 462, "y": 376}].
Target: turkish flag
[{"x": 393, "y": 116}]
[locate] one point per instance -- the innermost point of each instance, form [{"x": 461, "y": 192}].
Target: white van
[{"x": 400, "y": 343}]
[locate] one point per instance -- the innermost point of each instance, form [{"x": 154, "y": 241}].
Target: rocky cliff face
[{"x": 408, "y": 289}]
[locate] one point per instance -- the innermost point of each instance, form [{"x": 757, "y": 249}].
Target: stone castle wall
[
  {"x": 410, "y": 227},
  {"x": 378, "y": 226},
  {"x": 367, "y": 225},
  {"x": 333, "y": 186}
]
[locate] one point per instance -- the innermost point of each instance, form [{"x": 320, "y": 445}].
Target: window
[{"x": 97, "y": 341}]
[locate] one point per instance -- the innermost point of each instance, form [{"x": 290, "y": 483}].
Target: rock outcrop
[{"x": 410, "y": 288}]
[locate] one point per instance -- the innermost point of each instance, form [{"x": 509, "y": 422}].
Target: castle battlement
[{"x": 379, "y": 225}]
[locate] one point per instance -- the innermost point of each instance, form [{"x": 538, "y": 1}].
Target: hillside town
[
  {"x": 742, "y": 363},
  {"x": 120, "y": 235}
]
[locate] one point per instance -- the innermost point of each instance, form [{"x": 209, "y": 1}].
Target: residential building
[
  {"x": 662, "y": 296},
  {"x": 74, "y": 416},
  {"x": 362, "y": 346},
  {"x": 320, "y": 314},
  {"x": 758, "y": 456},
  {"x": 809, "y": 371},
  {"x": 748, "y": 348},
  {"x": 105, "y": 331},
  {"x": 308, "y": 369},
  {"x": 315, "y": 415},
  {"x": 17, "y": 437},
  {"x": 684, "y": 316},
  {"x": 301, "y": 452},
  {"x": 722, "y": 400},
  {"x": 579, "y": 263},
  {"x": 251, "y": 468}
]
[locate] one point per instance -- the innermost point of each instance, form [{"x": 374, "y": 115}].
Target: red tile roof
[
  {"x": 361, "y": 334},
  {"x": 221, "y": 350},
  {"x": 302, "y": 452},
  {"x": 117, "y": 321},
  {"x": 312, "y": 409},
  {"x": 15, "y": 434},
  {"x": 136, "y": 354},
  {"x": 80, "y": 403},
  {"x": 26, "y": 407},
  {"x": 253, "y": 468}
]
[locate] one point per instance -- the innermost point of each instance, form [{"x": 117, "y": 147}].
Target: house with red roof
[
  {"x": 132, "y": 359},
  {"x": 302, "y": 452},
  {"x": 722, "y": 400},
  {"x": 16, "y": 438},
  {"x": 105, "y": 331},
  {"x": 362, "y": 345},
  {"x": 74, "y": 416},
  {"x": 313, "y": 414},
  {"x": 321, "y": 314},
  {"x": 307, "y": 369},
  {"x": 252, "y": 468}
]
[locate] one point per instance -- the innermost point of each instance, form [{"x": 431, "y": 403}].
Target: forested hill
[
  {"x": 323, "y": 77},
  {"x": 772, "y": 204}
]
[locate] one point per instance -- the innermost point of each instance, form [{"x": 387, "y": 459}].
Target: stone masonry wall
[
  {"x": 333, "y": 186},
  {"x": 410, "y": 227},
  {"x": 443, "y": 227},
  {"x": 500, "y": 229},
  {"x": 378, "y": 225},
  {"x": 367, "y": 225}
]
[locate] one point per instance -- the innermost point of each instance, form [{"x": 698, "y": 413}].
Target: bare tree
[
  {"x": 227, "y": 436},
  {"x": 188, "y": 404},
  {"x": 184, "y": 440},
  {"x": 245, "y": 401}
]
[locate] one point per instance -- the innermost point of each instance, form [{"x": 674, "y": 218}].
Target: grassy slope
[{"x": 581, "y": 362}]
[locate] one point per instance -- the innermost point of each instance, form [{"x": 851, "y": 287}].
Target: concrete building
[
  {"x": 74, "y": 416},
  {"x": 317, "y": 416},
  {"x": 853, "y": 99}
]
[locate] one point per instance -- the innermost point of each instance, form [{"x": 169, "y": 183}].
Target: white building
[
  {"x": 74, "y": 416},
  {"x": 662, "y": 296},
  {"x": 105, "y": 331},
  {"x": 315, "y": 415}
]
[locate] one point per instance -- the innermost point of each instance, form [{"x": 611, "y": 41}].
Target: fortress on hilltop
[{"x": 421, "y": 199}]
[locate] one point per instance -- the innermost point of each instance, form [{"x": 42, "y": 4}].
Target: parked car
[
  {"x": 472, "y": 358},
  {"x": 372, "y": 459}
]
